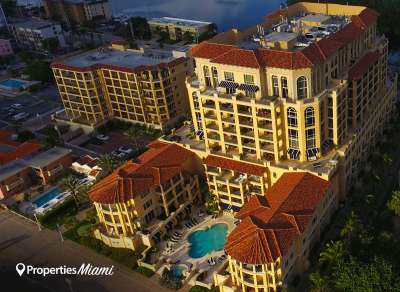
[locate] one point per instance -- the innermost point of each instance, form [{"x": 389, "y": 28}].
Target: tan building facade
[
  {"x": 307, "y": 90},
  {"x": 139, "y": 86},
  {"x": 141, "y": 201}
]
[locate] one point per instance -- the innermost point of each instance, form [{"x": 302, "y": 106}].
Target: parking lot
[{"x": 28, "y": 105}]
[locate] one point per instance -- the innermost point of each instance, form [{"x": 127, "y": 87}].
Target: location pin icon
[{"x": 20, "y": 268}]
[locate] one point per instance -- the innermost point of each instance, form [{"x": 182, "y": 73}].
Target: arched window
[
  {"x": 292, "y": 117},
  {"x": 302, "y": 87},
  {"x": 309, "y": 117}
]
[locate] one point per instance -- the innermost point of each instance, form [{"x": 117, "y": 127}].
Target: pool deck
[{"x": 180, "y": 250}]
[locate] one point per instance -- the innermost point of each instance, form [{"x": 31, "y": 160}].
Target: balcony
[
  {"x": 210, "y": 116},
  {"x": 15, "y": 184},
  {"x": 265, "y": 125},
  {"x": 247, "y": 133},
  {"x": 56, "y": 170},
  {"x": 213, "y": 136},
  {"x": 266, "y": 136}
]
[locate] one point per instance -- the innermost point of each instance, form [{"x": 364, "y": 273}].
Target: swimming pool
[
  {"x": 47, "y": 197},
  {"x": 203, "y": 242},
  {"x": 13, "y": 83}
]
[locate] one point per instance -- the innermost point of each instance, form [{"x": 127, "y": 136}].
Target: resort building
[
  {"x": 143, "y": 199},
  {"x": 307, "y": 90},
  {"x": 272, "y": 242},
  {"x": 142, "y": 86},
  {"x": 30, "y": 33},
  {"x": 75, "y": 12},
  {"x": 178, "y": 28}
]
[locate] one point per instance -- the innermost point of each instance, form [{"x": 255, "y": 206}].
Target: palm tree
[
  {"x": 107, "y": 163},
  {"x": 134, "y": 134},
  {"x": 318, "y": 283},
  {"x": 350, "y": 226},
  {"x": 71, "y": 184},
  {"x": 332, "y": 253}
]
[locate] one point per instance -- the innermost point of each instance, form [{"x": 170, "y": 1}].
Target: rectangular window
[
  {"x": 248, "y": 79},
  {"x": 310, "y": 138},
  {"x": 284, "y": 86},
  {"x": 229, "y": 76},
  {"x": 293, "y": 139},
  {"x": 275, "y": 86}
]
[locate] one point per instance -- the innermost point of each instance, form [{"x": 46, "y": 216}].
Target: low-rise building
[
  {"x": 30, "y": 33},
  {"x": 40, "y": 168},
  {"x": 140, "y": 201},
  {"x": 272, "y": 242},
  {"x": 5, "y": 48},
  {"x": 87, "y": 165},
  {"x": 178, "y": 27},
  {"x": 143, "y": 86}
]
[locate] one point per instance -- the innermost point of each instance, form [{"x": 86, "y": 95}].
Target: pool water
[
  {"x": 13, "y": 83},
  {"x": 46, "y": 197},
  {"x": 206, "y": 241}
]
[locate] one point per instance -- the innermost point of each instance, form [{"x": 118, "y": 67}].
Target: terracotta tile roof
[
  {"x": 271, "y": 223},
  {"x": 154, "y": 167},
  {"x": 367, "y": 17},
  {"x": 209, "y": 50},
  {"x": 274, "y": 14},
  {"x": 88, "y": 160},
  {"x": 14, "y": 150},
  {"x": 238, "y": 57},
  {"x": 217, "y": 161},
  {"x": 361, "y": 67},
  {"x": 283, "y": 59}
]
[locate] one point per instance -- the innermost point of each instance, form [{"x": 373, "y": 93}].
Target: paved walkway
[{"x": 21, "y": 241}]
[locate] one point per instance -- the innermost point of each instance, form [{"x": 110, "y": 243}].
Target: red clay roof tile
[
  {"x": 271, "y": 223},
  {"x": 225, "y": 163},
  {"x": 238, "y": 57},
  {"x": 361, "y": 67},
  {"x": 154, "y": 167}
]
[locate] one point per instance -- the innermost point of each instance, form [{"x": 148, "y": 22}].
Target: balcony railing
[{"x": 15, "y": 184}]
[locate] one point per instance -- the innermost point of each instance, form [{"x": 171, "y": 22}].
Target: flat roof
[
  {"x": 12, "y": 168},
  {"x": 280, "y": 36},
  {"x": 32, "y": 23},
  {"x": 316, "y": 17},
  {"x": 110, "y": 56},
  {"x": 47, "y": 157},
  {"x": 180, "y": 21}
]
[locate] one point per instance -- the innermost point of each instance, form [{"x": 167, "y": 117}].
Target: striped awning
[
  {"x": 293, "y": 153},
  {"x": 248, "y": 87},
  {"x": 228, "y": 84},
  {"x": 312, "y": 152}
]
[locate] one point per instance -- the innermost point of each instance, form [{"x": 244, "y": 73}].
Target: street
[{"x": 22, "y": 242}]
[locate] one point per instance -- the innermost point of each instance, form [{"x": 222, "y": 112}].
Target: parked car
[
  {"x": 20, "y": 116},
  {"x": 102, "y": 137},
  {"x": 16, "y": 106},
  {"x": 118, "y": 154},
  {"x": 125, "y": 149}
]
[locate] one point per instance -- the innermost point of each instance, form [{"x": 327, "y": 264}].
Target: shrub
[{"x": 145, "y": 271}]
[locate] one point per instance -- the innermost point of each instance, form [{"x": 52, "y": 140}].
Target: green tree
[
  {"x": 107, "y": 164},
  {"x": 350, "y": 226},
  {"x": 332, "y": 253},
  {"x": 24, "y": 136},
  {"x": 394, "y": 203},
  {"x": 51, "y": 136},
  {"x": 211, "y": 202},
  {"x": 50, "y": 44},
  {"x": 140, "y": 27},
  {"x": 355, "y": 276},
  {"x": 318, "y": 282},
  {"x": 39, "y": 70},
  {"x": 135, "y": 134},
  {"x": 71, "y": 184}
]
